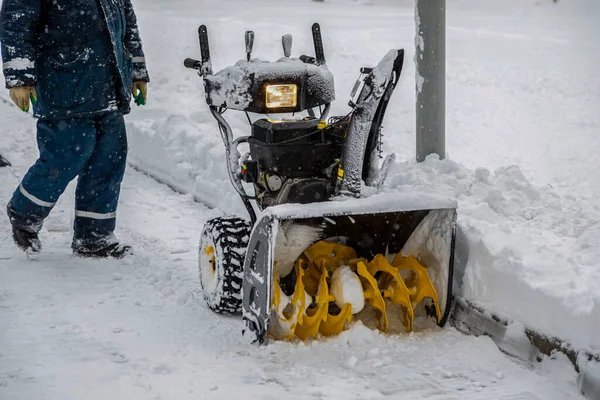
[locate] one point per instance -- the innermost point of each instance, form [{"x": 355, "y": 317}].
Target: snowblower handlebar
[{"x": 318, "y": 42}]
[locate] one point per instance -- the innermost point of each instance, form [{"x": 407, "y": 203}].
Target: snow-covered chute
[{"x": 320, "y": 251}]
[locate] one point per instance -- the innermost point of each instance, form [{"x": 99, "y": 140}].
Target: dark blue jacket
[{"x": 82, "y": 56}]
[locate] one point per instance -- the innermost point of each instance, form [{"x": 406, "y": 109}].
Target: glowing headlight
[{"x": 282, "y": 96}]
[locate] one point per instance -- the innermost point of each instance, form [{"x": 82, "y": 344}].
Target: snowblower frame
[{"x": 375, "y": 245}]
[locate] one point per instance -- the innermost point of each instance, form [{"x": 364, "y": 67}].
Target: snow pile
[
  {"x": 346, "y": 288},
  {"x": 186, "y": 154},
  {"x": 532, "y": 254}
]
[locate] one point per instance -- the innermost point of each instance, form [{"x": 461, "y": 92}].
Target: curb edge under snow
[{"x": 527, "y": 344}]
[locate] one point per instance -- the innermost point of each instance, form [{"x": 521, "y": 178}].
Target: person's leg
[
  {"x": 65, "y": 146},
  {"x": 98, "y": 188}
]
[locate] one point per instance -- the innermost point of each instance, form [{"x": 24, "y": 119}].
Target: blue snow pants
[{"x": 91, "y": 147}]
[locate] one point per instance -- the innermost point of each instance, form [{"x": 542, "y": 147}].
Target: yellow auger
[{"x": 332, "y": 284}]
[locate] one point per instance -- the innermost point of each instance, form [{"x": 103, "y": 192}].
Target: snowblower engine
[
  {"x": 292, "y": 161},
  {"x": 300, "y": 269}
]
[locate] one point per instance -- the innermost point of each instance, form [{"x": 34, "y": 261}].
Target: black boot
[
  {"x": 114, "y": 250},
  {"x": 27, "y": 240}
]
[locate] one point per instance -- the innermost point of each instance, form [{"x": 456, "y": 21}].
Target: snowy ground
[
  {"x": 522, "y": 89},
  {"x": 138, "y": 329}
]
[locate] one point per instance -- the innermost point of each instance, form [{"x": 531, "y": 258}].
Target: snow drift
[{"x": 531, "y": 252}]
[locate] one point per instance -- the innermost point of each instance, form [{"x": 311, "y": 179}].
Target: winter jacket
[{"x": 82, "y": 56}]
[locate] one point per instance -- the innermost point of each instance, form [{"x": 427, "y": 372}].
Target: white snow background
[{"x": 523, "y": 129}]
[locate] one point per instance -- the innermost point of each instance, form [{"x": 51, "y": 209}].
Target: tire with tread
[{"x": 222, "y": 269}]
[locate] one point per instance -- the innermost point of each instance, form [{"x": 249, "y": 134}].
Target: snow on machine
[{"x": 320, "y": 252}]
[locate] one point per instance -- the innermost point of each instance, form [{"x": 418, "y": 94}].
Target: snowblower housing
[{"x": 246, "y": 86}]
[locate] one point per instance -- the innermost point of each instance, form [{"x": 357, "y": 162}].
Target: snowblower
[{"x": 321, "y": 252}]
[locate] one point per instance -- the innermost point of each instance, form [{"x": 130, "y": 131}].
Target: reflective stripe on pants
[{"x": 93, "y": 148}]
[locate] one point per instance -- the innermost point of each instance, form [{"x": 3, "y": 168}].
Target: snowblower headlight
[{"x": 282, "y": 96}]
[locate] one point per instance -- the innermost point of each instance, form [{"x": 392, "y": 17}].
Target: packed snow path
[{"x": 138, "y": 328}]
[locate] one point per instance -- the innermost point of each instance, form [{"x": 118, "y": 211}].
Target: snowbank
[
  {"x": 532, "y": 254},
  {"x": 186, "y": 155}
]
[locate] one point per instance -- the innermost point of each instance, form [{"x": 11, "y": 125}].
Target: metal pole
[{"x": 430, "y": 60}]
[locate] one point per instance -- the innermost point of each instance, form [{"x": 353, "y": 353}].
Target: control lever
[
  {"x": 286, "y": 42},
  {"x": 249, "y": 44}
]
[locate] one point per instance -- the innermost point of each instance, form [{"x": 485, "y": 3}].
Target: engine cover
[
  {"x": 294, "y": 131},
  {"x": 294, "y": 149}
]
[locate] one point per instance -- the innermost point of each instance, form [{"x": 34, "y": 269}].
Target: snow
[
  {"x": 376, "y": 203},
  {"x": 291, "y": 241},
  {"x": 531, "y": 250},
  {"x": 228, "y": 86},
  {"x": 523, "y": 122},
  {"x": 346, "y": 288}
]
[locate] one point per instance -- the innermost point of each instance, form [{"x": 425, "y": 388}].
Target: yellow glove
[
  {"x": 22, "y": 95},
  {"x": 140, "y": 92}
]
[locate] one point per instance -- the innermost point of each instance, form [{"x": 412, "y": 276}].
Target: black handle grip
[
  {"x": 249, "y": 38},
  {"x": 318, "y": 40},
  {"x": 192, "y": 64},
  {"x": 204, "y": 49},
  {"x": 308, "y": 59}
]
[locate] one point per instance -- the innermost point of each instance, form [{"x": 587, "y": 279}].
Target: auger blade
[
  {"x": 312, "y": 275},
  {"x": 419, "y": 284},
  {"x": 283, "y": 326},
  {"x": 394, "y": 289},
  {"x": 313, "y": 316},
  {"x": 334, "y": 324},
  {"x": 329, "y": 255},
  {"x": 373, "y": 296}
]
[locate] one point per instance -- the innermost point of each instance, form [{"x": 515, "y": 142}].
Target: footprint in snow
[
  {"x": 118, "y": 358},
  {"x": 162, "y": 369}
]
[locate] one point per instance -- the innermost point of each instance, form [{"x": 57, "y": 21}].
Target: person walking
[{"x": 78, "y": 62}]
